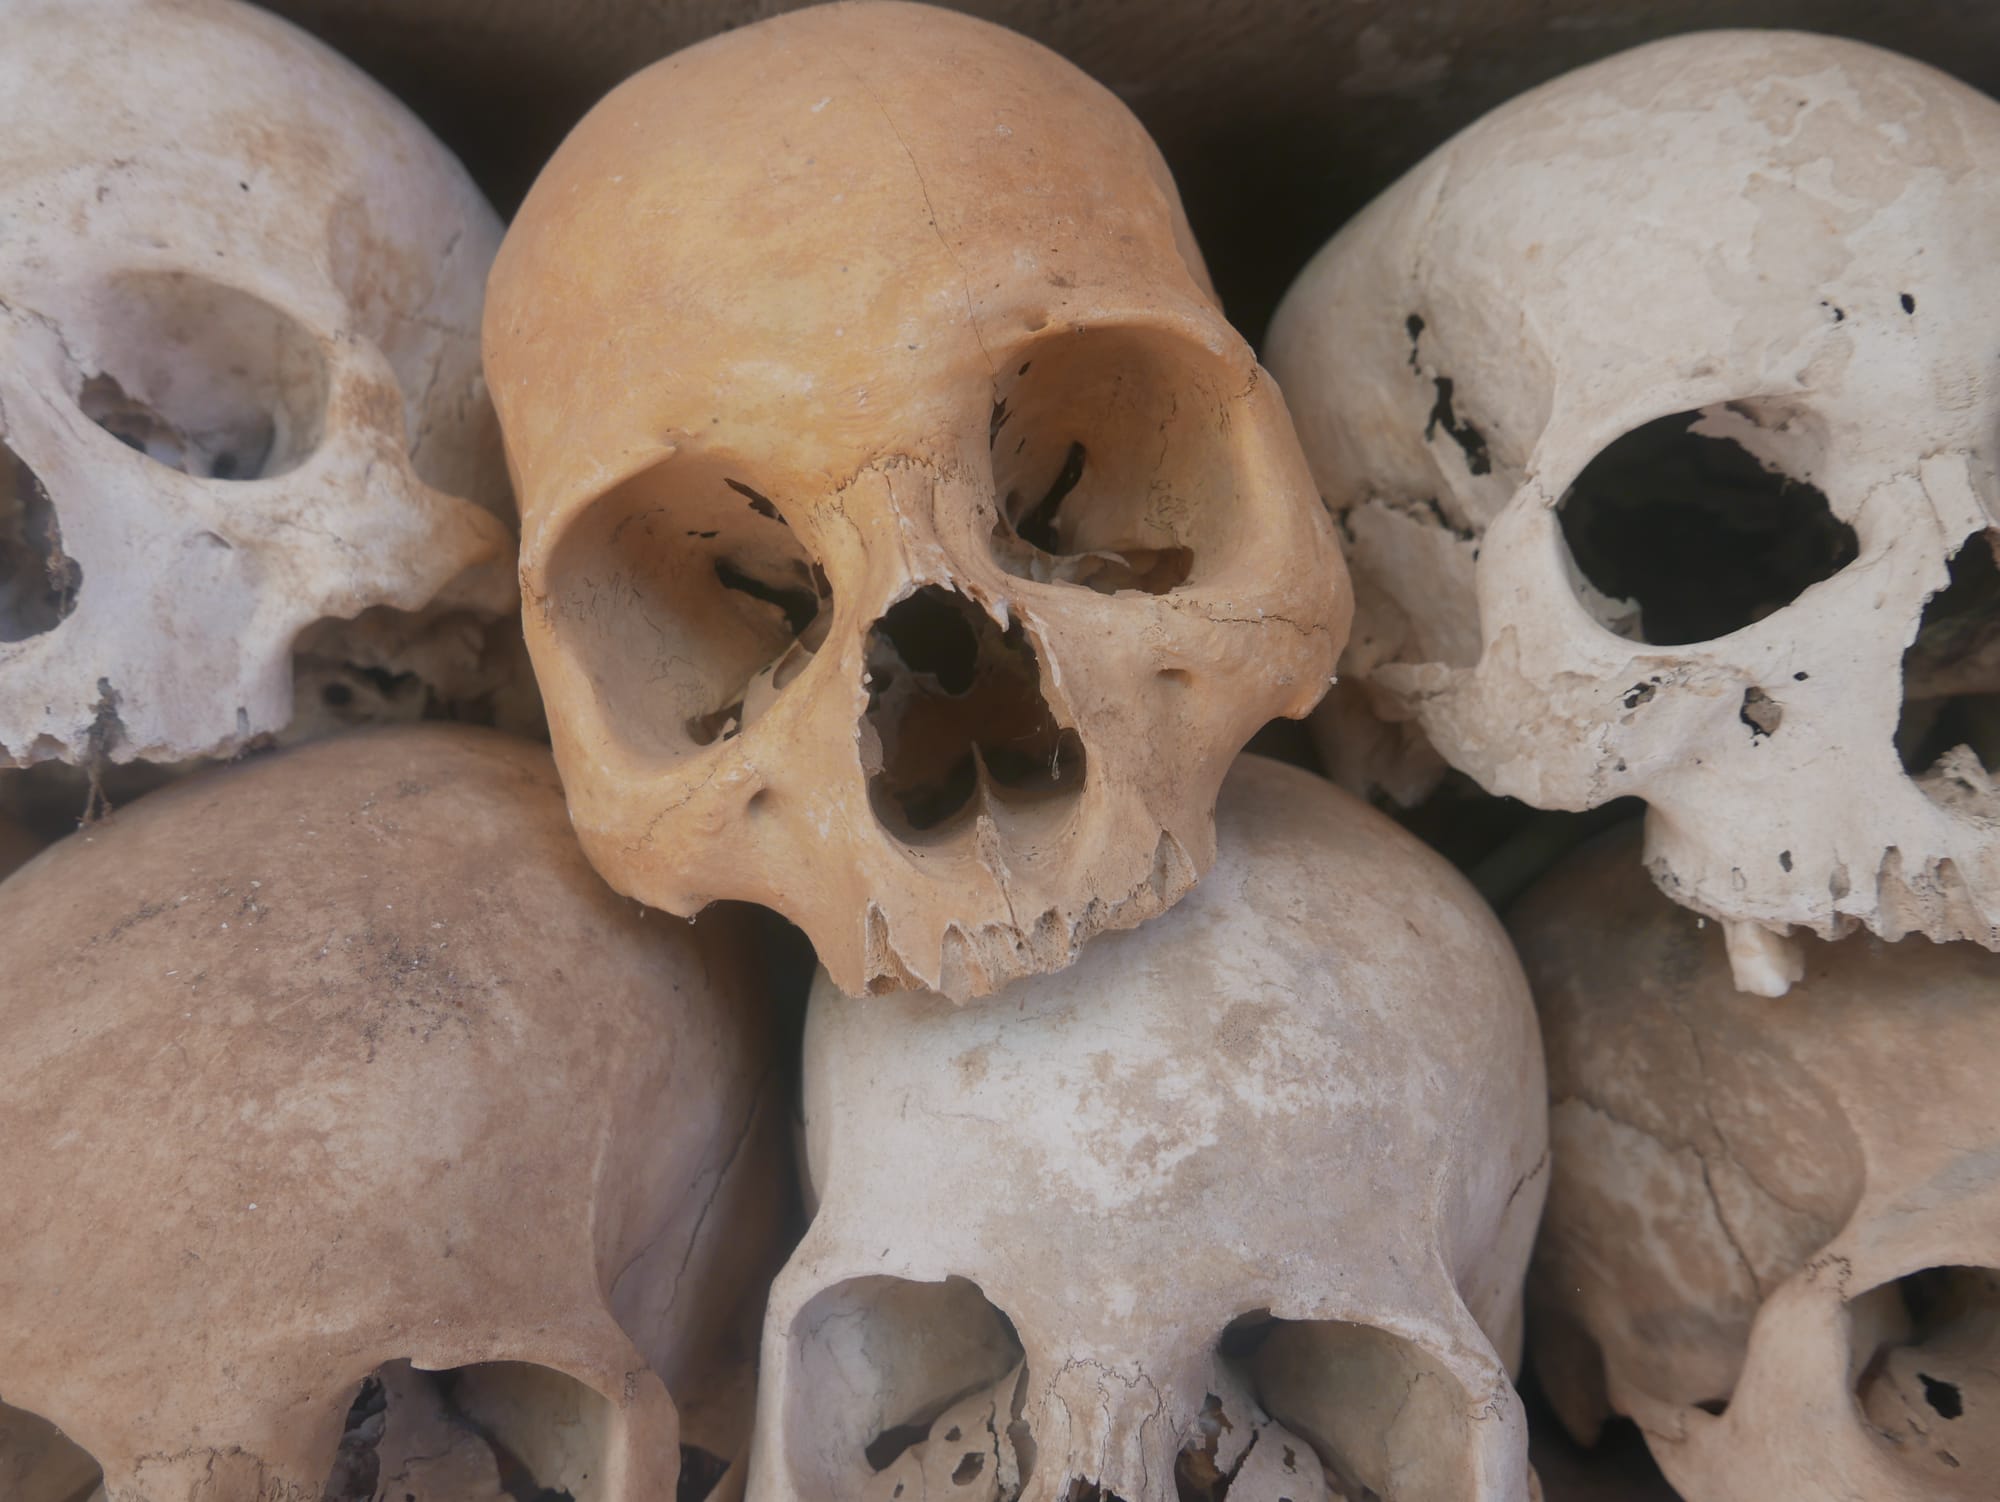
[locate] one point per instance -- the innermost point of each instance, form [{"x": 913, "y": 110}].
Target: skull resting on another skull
[
  {"x": 1239, "y": 1203},
  {"x": 908, "y": 543},
  {"x": 1671, "y": 472}
]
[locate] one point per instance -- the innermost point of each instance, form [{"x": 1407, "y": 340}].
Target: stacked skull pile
[{"x": 909, "y": 546}]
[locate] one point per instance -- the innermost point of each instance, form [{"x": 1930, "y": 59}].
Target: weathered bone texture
[
  {"x": 1788, "y": 240},
  {"x": 1246, "y": 1192},
  {"x": 1790, "y": 1209},
  {"x": 239, "y": 383},
  {"x": 344, "y": 1058},
  {"x": 908, "y": 543}
]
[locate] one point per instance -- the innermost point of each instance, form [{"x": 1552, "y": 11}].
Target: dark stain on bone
[
  {"x": 758, "y": 503},
  {"x": 1414, "y": 326},
  {"x": 1909, "y": 303},
  {"x": 799, "y": 602},
  {"x": 1784, "y": 860},
  {"x": 1461, "y": 431},
  {"x": 1038, "y": 527}
]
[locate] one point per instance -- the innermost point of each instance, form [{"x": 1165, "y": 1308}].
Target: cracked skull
[
  {"x": 1773, "y": 1232},
  {"x": 1670, "y": 472},
  {"x": 1238, "y": 1204},
  {"x": 240, "y": 393},
  {"x": 361, "y": 1134},
  {"x": 909, "y": 543}
]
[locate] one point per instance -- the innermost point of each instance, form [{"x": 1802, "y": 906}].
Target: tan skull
[
  {"x": 341, "y": 1068},
  {"x": 1773, "y": 1231},
  {"x": 908, "y": 541},
  {"x": 1242, "y": 1195},
  {"x": 240, "y": 394},
  {"x": 1657, "y": 404}
]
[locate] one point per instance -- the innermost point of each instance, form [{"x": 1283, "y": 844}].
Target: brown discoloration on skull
[
  {"x": 366, "y": 1065},
  {"x": 957, "y": 342}
]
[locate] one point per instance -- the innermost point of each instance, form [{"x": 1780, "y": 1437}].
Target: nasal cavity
[
  {"x": 38, "y": 580},
  {"x": 955, "y": 706},
  {"x": 1696, "y": 532}
]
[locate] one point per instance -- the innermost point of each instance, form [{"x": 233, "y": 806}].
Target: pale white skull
[
  {"x": 1247, "y": 1191},
  {"x": 239, "y": 375},
  {"x": 1786, "y": 242},
  {"x": 1773, "y": 1231},
  {"x": 340, "y": 1068},
  {"x": 908, "y": 543}
]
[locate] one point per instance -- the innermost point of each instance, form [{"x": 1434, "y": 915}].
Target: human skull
[
  {"x": 908, "y": 542},
  {"x": 239, "y": 374},
  {"x": 1773, "y": 1232},
  {"x": 1691, "y": 354},
  {"x": 340, "y": 1068},
  {"x": 1242, "y": 1194}
]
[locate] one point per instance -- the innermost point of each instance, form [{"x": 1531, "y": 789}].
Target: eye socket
[
  {"x": 1114, "y": 466},
  {"x": 1383, "y": 1417},
  {"x": 521, "y": 1430},
  {"x": 1949, "y": 733},
  {"x": 1696, "y": 532},
  {"x": 39, "y": 1463},
  {"x": 203, "y": 378},
  {"x": 911, "y": 1362},
  {"x": 688, "y": 602},
  {"x": 1926, "y": 1365},
  {"x": 38, "y": 580}
]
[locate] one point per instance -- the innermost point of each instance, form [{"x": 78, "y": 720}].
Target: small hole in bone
[
  {"x": 968, "y": 1469},
  {"x": 204, "y": 378},
  {"x": 1113, "y": 462},
  {"x": 954, "y": 703},
  {"x": 1948, "y": 735},
  {"x": 39, "y": 1463},
  {"x": 1697, "y": 532},
  {"x": 38, "y": 580},
  {"x": 1927, "y": 1353}
]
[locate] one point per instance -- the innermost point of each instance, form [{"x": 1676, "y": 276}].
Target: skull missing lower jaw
[
  {"x": 909, "y": 543},
  {"x": 956, "y": 720},
  {"x": 1710, "y": 511}
]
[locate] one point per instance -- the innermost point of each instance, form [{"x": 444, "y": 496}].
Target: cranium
[
  {"x": 339, "y": 1069},
  {"x": 1773, "y": 1232},
  {"x": 239, "y": 378},
  {"x": 1691, "y": 353},
  {"x": 909, "y": 542},
  {"x": 1243, "y": 1194}
]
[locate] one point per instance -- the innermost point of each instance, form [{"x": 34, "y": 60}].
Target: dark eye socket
[{"x": 1700, "y": 535}]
